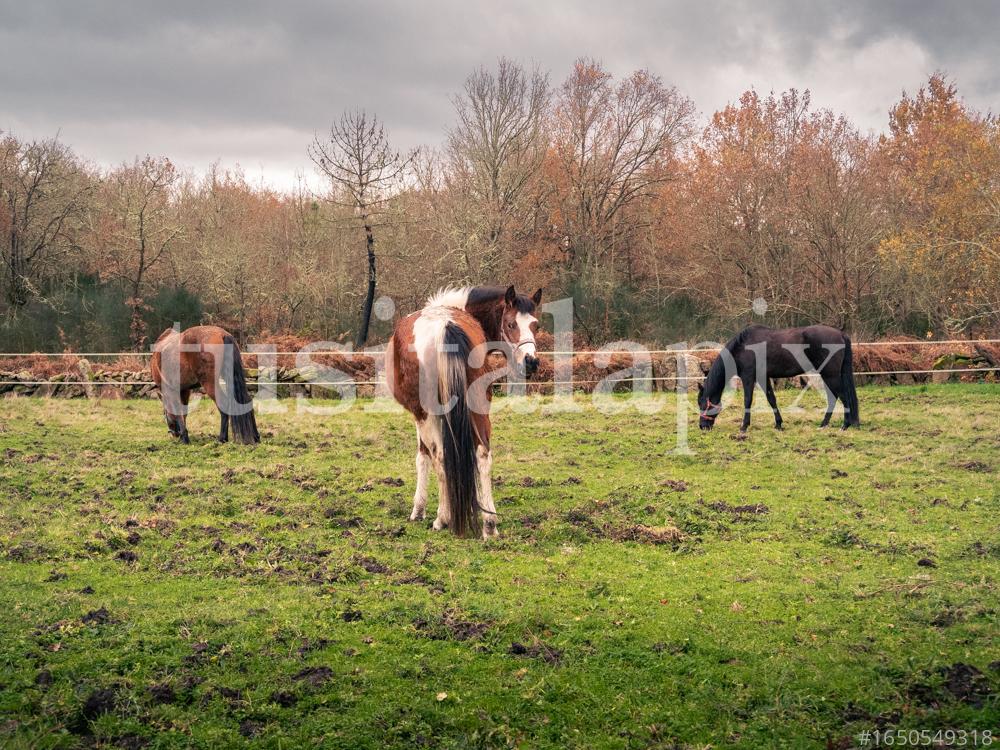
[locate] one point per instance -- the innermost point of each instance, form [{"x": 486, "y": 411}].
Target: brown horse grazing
[
  {"x": 759, "y": 353},
  {"x": 508, "y": 319},
  {"x": 429, "y": 372},
  {"x": 205, "y": 357}
]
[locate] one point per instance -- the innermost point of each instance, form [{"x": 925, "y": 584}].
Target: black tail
[
  {"x": 848, "y": 393},
  {"x": 238, "y": 404},
  {"x": 457, "y": 432}
]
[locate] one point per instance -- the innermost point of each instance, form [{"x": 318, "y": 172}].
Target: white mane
[{"x": 449, "y": 297}]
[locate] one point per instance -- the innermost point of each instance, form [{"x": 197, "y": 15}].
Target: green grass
[{"x": 280, "y": 598}]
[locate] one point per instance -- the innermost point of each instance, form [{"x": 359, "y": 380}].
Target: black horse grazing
[{"x": 759, "y": 353}]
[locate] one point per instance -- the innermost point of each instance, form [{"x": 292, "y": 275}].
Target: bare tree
[
  {"x": 498, "y": 146},
  {"x": 42, "y": 193},
  {"x": 363, "y": 171},
  {"x": 614, "y": 144},
  {"x": 134, "y": 229}
]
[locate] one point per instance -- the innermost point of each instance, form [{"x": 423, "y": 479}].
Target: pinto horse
[
  {"x": 203, "y": 356},
  {"x": 436, "y": 368},
  {"x": 759, "y": 353},
  {"x": 428, "y": 371}
]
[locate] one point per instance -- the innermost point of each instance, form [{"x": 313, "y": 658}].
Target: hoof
[
  {"x": 438, "y": 525},
  {"x": 414, "y": 516}
]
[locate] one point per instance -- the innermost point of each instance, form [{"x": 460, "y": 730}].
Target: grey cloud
[{"x": 251, "y": 81}]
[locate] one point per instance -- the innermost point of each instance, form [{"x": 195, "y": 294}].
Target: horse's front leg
[
  {"x": 773, "y": 401},
  {"x": 182, "y": 417},
  {"x": 173, "y": 424},
  {"x": 831, "y": 401},
  {"x": 748, "y": 385}
]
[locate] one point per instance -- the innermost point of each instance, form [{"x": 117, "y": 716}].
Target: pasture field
[{"x": 787, "y": 590}]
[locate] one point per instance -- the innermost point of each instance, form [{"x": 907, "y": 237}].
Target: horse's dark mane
[
  {"x": 737, "y": 341},
  {"x": 715, "y": 381},
  {"x": 482, "y": 294}
]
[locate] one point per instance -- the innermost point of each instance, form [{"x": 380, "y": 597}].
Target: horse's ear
[
  {"x": 511, "y": 296},
  {"x": 537, "y": 296}
]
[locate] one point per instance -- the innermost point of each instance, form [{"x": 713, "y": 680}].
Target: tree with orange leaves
[{"x": 945, "y": 252}]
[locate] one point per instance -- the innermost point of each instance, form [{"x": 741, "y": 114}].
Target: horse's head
[
  {"x": 708, "y": 410},
  {"x": 518, "y": 326}
]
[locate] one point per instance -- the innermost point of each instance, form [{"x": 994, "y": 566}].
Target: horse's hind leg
[
  {"x": 212, "y": 391},
  {"x": 484, "y": 463},
  {"x": 443, "y": 519},
  {"x": 429, "y": 437},
  {"x": 223, "y": 427},
  {"x": 831, "y": 400},
  {"x": 423, "y": 462},
  {"x": 769, "y": 392}
]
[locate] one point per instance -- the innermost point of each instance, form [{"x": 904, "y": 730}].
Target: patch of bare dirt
[
  {"x": 959, "y": 682},
  {"x": 371, "y": 565},
  {"x": 161, "y": 693},
  {"x": 97, "y": 617},
  {"x": 647, "y": 534},
  {"x": 314, "y": 676},
  {"x": 451, "y": 625},
  {"x": 739, "y": 512},
  {"x": 536, "y": 650},
  {"x": 283, "y": 698}
]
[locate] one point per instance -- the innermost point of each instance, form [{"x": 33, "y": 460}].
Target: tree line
[{"x": 611, "y": 190}]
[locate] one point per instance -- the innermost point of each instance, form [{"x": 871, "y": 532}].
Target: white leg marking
[
  {"x": 429, "y": 432},
  {"x": 423, "y": 474},
  {"x": 484, "y": 459}
]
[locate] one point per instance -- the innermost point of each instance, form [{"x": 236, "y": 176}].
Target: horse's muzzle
[{"x": 530, "y": 365}]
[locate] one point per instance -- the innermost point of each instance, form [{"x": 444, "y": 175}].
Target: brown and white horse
[
  {"x": 203, "y": 356},
  {"x": 436, "y": 368}
]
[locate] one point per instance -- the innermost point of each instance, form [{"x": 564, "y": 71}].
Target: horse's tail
[
  {"x": 849, "y": 394},
  {"x": 457, "y": 431},
  {"x": 241, "y": 416}
]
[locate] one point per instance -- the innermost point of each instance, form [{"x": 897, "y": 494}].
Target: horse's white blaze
[
  {"x": 526, "y": 338},
  {"x": 450, "y": 297}
]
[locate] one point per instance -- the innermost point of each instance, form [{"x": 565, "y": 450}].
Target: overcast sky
[{"x": 251, "y": 82}]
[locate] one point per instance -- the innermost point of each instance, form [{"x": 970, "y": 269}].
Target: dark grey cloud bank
[{"x": 250, "y": 82}]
